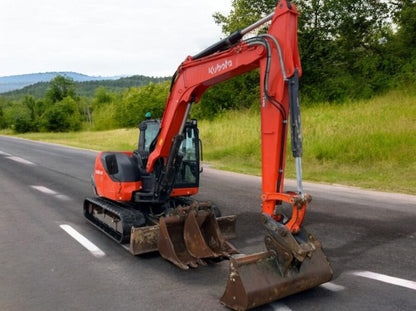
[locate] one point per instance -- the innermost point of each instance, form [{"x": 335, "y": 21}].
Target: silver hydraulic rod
[
  {"x": 299, "y": 175},
  {"x": 257, "y": 24},
  {"x": 235, "y": 37},
  {"x": 185, "y": 117}
]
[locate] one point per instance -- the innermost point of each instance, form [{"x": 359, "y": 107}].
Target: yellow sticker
[{"x": 160, "y": 142}]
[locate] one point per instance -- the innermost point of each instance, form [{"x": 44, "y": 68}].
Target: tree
[
  {"x": 22, "y": 121},
  {"x": 2, "y": 119},
  {"x": 404, "y": 15},
  {"x": 243, "y": 14},
  {"x": 337, "y": 42},
  {"x": 62, "y": 116},
  {"x": 59, "y": 88},
  {"x": 403, "y": 44},
  {"x": 102, "y": 110},
  {"x": 101, "y": 97},
  {"x": 223, "y": 96},
  {"x": 136, "y": 102}
]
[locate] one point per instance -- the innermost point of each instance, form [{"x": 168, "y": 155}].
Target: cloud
[{"x": 105, "y": 37}]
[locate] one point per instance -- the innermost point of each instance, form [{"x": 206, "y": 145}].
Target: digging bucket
[
  {"x": 203, "y": 237},
  {"x": 286, "y": 268},
  {"x": 189, "y": 239},
  {"x": 145, "y": 239}
]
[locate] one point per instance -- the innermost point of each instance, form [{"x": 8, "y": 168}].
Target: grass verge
[
  {"x": 116, "y": 140},
  {"x": 369, "y": 144}
]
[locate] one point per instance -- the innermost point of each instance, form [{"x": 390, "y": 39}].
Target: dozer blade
[
  {"x": 285, "y": 269},
  {"x": 187, "y": 240}
]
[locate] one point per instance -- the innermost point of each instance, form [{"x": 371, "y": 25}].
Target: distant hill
[
  {"x": 10, "y": 83},
  {"x": 84, "y": 85}
]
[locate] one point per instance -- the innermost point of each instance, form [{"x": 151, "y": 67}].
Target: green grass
[
  {"x": 369, "y": 144},
  {"x": 232, "y": 141},
  {"x": 116, "y": 140}
]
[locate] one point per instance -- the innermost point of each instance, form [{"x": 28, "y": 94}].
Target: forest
[{"x": 350, "y": 50}]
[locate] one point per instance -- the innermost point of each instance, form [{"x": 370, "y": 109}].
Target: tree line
[
  {"x": 62, "y": 109},
  {"x": 85, "y": 88},
  {"x": 350, "y": 49}
]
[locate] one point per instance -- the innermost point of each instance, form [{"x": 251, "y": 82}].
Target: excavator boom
[{"x": 276, "y": 55}]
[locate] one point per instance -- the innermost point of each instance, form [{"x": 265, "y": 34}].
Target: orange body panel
[
  {"x": 183, "y": 192},
  {"x": 123, "y": 191},
  {"x": 106, "y": 187}
]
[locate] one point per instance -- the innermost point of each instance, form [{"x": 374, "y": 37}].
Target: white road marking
[
  {"x": 332, "y": 287},
  {"x": 83, "y": 241},
  {"x": 45, "y": 190},
  {"x": 20, "y": 160},
  {"x": 63, "y": 197},
  {"x": 386, "y": 279},
  {"x": 51, "y": 192},
  {"x": 4, "y": 153},
  {"x": 278, "y": 306}
]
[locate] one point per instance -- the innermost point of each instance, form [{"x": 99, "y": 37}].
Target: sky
[{"x": 105, "y": 37}]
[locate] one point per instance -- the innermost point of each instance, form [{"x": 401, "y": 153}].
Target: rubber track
[{"x": 128, "y": 216}]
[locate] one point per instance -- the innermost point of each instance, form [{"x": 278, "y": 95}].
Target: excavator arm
[{"x": 276, "y": 55}]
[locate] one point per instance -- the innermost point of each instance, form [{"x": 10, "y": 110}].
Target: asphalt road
[{"x": 369, "y": 237}]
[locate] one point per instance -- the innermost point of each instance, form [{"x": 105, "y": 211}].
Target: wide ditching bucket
[
  {"x": 290, "y": 265},
  {"x": 188, "y": 239}
]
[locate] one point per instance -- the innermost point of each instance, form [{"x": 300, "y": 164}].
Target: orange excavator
[{"x": 144, "y": 197}]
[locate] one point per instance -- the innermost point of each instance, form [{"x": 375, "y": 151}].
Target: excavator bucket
[
  {"x": 290, "y": 265},
  {"x": 145, "y": 239},
  {"x": 171, "y": 243},
  {"x": 189, "y": 239}
]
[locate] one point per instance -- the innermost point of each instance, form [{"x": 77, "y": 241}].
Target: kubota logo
[{"x": 220, "y": 67}]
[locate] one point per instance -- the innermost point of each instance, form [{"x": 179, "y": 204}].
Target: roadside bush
[
  {"x": 62, "y": 117},
  {"x": 22, "y": 120},
  {"x": 103, "y": 117},
  {"x": 136, "y": 102},
  {"x": 3, "y": 123},
  {"x": 223, "y": 96}
]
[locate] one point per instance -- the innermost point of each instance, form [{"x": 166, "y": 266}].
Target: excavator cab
[
  {"x": 192, "y": 231},
  {"x": 189, "y": 153}
]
